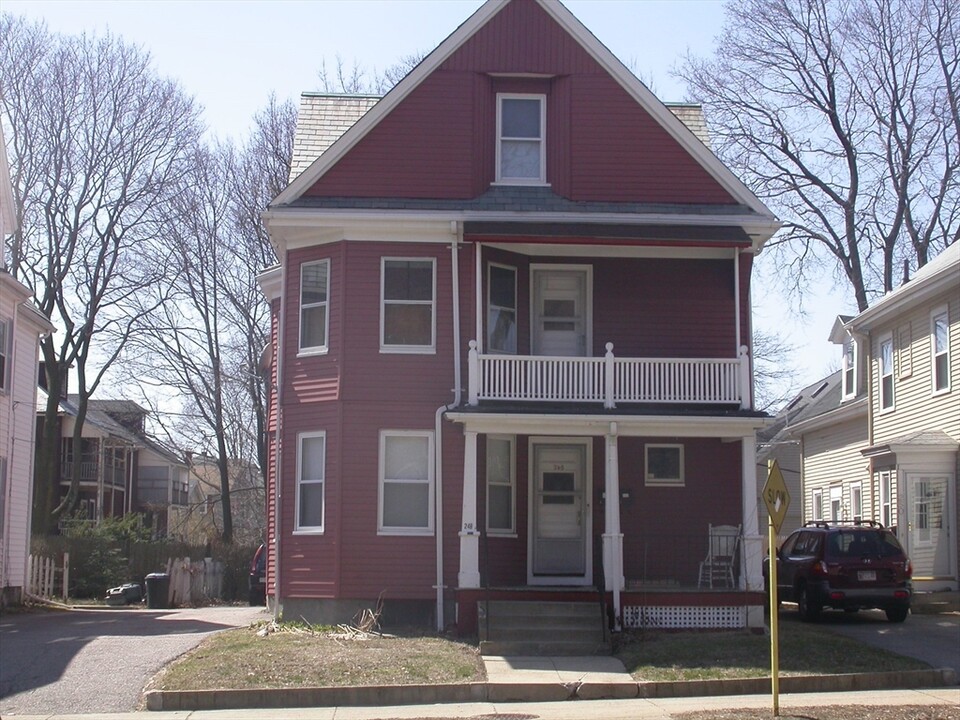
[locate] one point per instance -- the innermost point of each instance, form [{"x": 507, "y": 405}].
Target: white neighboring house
[{"x": 21, "y": 327}]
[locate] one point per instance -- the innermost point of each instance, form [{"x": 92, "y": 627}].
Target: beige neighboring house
[
  {"x": 203, "y": 517},
  {"x": 21, "y": 327},
  {"x": 888, "y": 450}
]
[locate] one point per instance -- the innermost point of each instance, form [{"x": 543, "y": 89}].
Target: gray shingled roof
[{"x": 324, "y": 117}]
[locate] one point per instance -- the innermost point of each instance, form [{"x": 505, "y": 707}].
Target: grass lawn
[{"x": 805, "y": 649}]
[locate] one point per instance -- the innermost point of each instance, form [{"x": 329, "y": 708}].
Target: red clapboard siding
[
  {"x": 677, "y": 516},
  {"x": 618, "y": 152},
  {"x": 423, "y": 148}
]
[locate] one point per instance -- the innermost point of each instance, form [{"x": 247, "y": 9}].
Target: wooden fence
[
  {"x": 45, "y": 576},
  {"x": 194, "y": 582}
]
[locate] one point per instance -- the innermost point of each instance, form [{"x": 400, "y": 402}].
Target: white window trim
[
  {"x": 885, "y": 479},
  {"x": 310, "y": 529},
  {"x": 816, "y": 510},
  {"x": 856, "y": 510},
  {"x": 663, "y": 482},
  {"x": 885, "y": 340},
  {"x": 430, "y": 349},
  {"x": 850, "y": 392},
  {"x": 315, "y": 349},
  {"x": 6, "y": 349},
  {"x": 542, "y": 180},
  {"x": 381, "y": 470},
  {"x": 836, "y": 496},
  {"x": 588, "y": 300},
  {"x": 490, "y": 305},
  {"x": 937, "y": 313},
  {"x": 512, "y": 531}
]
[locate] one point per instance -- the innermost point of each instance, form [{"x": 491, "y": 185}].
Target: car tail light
[
  {"x": 836, "y": 595},
  {"x": 819, "y": 569},
  {"x": 901, "y": 594},
  {"x": 908, "y": 569}
]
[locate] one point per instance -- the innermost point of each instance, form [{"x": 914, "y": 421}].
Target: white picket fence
[{"x": 45, "y": 576}]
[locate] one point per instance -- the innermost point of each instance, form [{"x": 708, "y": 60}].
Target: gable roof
[
  {"x": 940, "y": 274},
  {"x": 323, "y": 118},
  {"x": 593, "y": 47},
  {"x": 820, "y": 401}
]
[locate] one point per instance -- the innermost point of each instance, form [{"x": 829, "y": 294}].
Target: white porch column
[
  {"x": 469, "y": 575},
  {"x": 612, "y": 537},
  {"x": 751, "y": 576}
]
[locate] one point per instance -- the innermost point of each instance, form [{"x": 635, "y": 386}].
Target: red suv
[{"x": 847, "y": 566}]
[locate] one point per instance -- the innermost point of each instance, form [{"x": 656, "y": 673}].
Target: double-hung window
[
  {"x": 502, "y": 309},
  {"x": 886, "y": 373},
  {"x": 941, "y": 350},
  {"x": 6, "y": 345},
  {"x": 849, "y": 368},
  {"x": 311, "y": 480},
  {"x": 501, "y": 494},
  {"x": 314, "y": 305},
  {"x": 407, "y": 313},
  {"x": 816, "y": 511},
  {"x": 856, "y": 501},
  {"x": 521, "y": 146},
  {"x": 406, "y": 482}
]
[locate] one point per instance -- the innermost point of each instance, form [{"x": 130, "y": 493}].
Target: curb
[{"x": 535, "y": 692}]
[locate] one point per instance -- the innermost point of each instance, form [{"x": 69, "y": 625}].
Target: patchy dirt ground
[{"x": 835, "y": 712}]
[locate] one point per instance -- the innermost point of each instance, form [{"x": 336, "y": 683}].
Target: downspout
[
  {"x": 8, "y": 453},
  {"x": 457, "y": 228},
  {"x": 736, "y": 299},
  {"x": 277, "y": 448}
]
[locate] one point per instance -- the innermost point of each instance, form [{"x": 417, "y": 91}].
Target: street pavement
[
  {"x": 97, "y": 661},
  {"x": 934, "y": 639}
]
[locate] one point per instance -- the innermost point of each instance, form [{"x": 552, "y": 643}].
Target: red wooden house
[{"x": 512, "y": 343}]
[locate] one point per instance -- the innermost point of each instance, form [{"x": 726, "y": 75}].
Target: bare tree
[
  {"x": 356, "y": 79},
  {"x": 843, "y": 117},
  {"x": 97, "y": 142}
]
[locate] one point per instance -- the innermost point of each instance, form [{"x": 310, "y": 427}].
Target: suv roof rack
[{"x": 852, "y": 523}]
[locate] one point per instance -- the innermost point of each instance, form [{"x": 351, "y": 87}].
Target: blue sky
[{"x": 232, "y": 55}]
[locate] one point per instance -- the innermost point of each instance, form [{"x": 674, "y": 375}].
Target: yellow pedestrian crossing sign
[{"x": 776, "y": 496}]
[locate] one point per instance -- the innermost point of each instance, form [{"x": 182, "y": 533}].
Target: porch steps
[{"x": 512, "y": 627}]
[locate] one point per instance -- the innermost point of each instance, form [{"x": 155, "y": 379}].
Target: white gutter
[
  {"x": 277, "y": 446},
  {"x": 438, "y": 418}
]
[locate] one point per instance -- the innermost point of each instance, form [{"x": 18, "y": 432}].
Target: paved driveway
[
  {"x": 934, "y": 639},
  {"x": 86, "y": 661}
]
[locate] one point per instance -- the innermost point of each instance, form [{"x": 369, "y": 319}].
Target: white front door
[
  {"x": 928, "y": 528},
  {"x": 560, "y": 317},
  {"x": 560, "y": 512}
]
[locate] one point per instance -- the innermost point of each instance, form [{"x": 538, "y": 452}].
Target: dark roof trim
[{"x": 585, "y": 233}]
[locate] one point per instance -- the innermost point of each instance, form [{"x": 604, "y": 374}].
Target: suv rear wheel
[
  {"x": 897, "y": 614},
  {"x": 809, "y": 610}
]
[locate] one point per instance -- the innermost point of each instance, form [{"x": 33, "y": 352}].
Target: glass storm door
[
  {"x": 928, "y": 531},
  {"x": 560, "y": 313},
  {"x": 559, "y": 512}
]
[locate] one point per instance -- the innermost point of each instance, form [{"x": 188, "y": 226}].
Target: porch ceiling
[{"x": 733, "y": 425}]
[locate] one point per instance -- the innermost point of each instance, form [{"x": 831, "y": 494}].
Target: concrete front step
[
  {"x": 544, "y": 648},
  {"x": 541, "y": 628}
]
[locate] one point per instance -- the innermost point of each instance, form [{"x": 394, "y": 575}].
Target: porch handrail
[{"x": 608, "y": 380}]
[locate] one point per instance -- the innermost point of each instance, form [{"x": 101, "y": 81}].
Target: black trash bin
[{"x": 158, "y": 590}]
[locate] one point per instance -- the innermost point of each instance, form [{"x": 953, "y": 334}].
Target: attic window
[
  {"x": 849, "y": 375},
  {"x": 521, "y": 124}
]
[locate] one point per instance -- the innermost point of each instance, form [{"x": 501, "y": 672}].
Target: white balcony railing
[{"x": 609, "y": 380}]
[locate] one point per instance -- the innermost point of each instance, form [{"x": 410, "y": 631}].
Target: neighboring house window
[
  {"x": 314, "y": 305},
  {"x": 501, "y": 515},
  {"x": 886, "y": 373},
  {"x": 502, "y": 309},
  {"x": 941, "y": 351},
  {"x": 311, "y": 476},
  {"x": 406, "y": 482},
  {"x": 886, "y": 504},
  {"x": 856, "y": 501},
  {"x": 816, "y": 511},
  {"x": 849, "y": 368},
  {"x": 521, "y": 154},
  {"x": 836, "y": 504},
  {"x": 664, "y": 464},
  {"x": 905, "y": 351},
  {"x": 407, "y": 305},
  {"x": 5, "y": 346}
]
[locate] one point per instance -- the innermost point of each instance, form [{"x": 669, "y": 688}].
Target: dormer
[{"x": 850, "y": 361}]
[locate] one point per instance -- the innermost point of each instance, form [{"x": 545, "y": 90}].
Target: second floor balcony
[{"x": 609, "y": 380}]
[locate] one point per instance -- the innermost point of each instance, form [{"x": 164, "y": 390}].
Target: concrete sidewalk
[{"x": 637, "y": 709}]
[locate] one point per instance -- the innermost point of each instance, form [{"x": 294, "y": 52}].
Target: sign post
[{"x": 777, "y": 499}]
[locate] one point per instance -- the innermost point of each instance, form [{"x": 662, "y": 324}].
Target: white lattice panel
[{"x": 679, "y": 616}]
